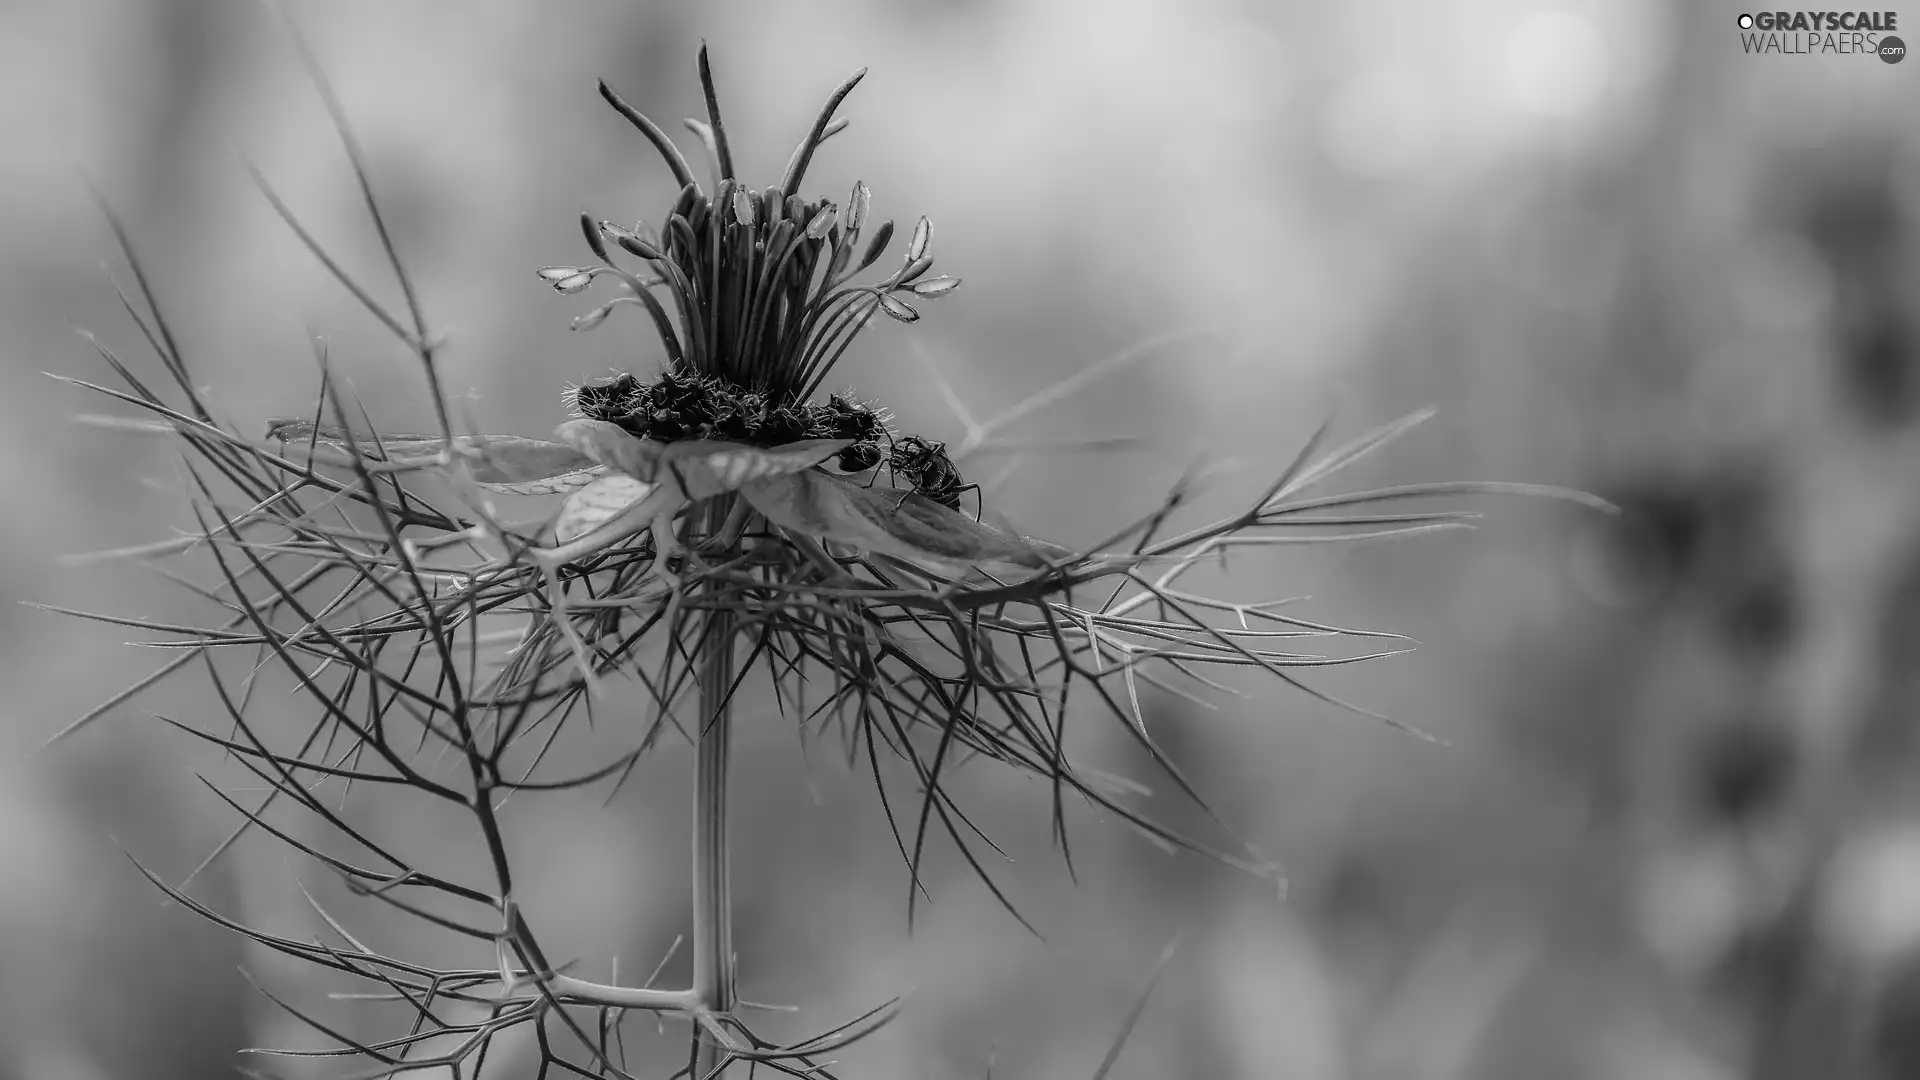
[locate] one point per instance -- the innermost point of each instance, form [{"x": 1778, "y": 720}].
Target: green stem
[{"x": 713, "y": 964}]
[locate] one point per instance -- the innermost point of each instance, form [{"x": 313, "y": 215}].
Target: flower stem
[{"x": 713, "y": 963}]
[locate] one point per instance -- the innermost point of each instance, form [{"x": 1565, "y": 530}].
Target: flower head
[{"x": 760, "y": 283}]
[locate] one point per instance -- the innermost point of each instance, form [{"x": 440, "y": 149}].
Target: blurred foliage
[{"x": 1671, "y": 834}]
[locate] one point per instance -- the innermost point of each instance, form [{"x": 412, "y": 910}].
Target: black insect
[
  {"x": 619, "y": 401},
  {"x": 928, "y": 468}
]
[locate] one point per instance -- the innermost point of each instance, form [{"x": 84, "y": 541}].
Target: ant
[
  {"x": 922, "y": 462},
  {"x": 926, "y": 466}
]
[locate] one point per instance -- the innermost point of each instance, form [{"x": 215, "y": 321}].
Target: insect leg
[{"x": 979, "y": 499}]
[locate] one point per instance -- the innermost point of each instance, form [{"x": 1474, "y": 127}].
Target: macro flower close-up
[
  {"x": 716, "y": 522},
  {"x": 658, "y": 622}
]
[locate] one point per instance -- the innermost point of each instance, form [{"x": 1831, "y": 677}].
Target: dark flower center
[{"x": 683, "y": 404}]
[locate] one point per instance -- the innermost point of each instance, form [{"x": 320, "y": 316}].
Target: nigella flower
[{"x": 708, "y": 523}]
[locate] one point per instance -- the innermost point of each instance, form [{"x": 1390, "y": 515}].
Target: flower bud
[
  {"x": 855, "y": 214},
  {"x": 639, "y": 247},
  {"x": 566, "y": 279},
  {"x": 938, "y": 286},
  {"x": 898, "y": 309},
  {"x": 821, "y": 223},
  {"x": 593, "y": 318},
  {"x": 922, "y": 239}
]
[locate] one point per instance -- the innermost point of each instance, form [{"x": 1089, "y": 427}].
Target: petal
[
  {"x": 613, "y": 446},
  {"x": 713, "y": 468},
  {"x": 657, "y": 507},
  {"x": 889, "y": 522},
  {"x": 596, "y": 504},
  {"x": 509, "y": 463},
  {"x": 549, "y": 485},
  {"x": 702, "y": 469}
]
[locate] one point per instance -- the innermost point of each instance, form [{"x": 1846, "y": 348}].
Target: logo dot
[
  {"x": 1746, "y": 22},
  {"x": 1892, "y": 50}
]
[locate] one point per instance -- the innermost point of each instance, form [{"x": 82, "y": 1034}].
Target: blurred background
[{"x": 1672, "y": 832}]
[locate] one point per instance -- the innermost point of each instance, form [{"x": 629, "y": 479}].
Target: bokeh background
[{"x": 1672, "y": 831}]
